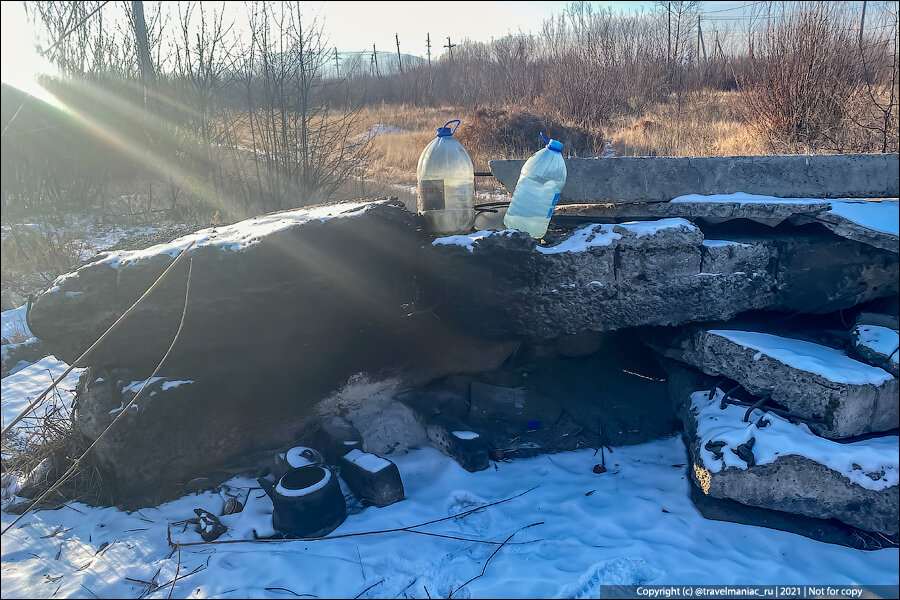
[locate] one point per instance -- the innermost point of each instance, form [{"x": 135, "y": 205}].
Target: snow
[
  {"x": 379, "y": 129},
  {"x": 367, "y": 461},
  {"x": 468, "y": 240},
  {"x": 879, "y": 216},
  {"x": 723, "y": 243},
  {"x": 135, "y": 386},
  {"x": 783, "y": 438},
  {"x": 883, "y": 216},
  {"x": 882, "y": 340},
  {"x": 580, "y": 240},
  {"x": 176, "y": 383},
  {"x": 642, "y": 228},
  {"x": 595, "y": 530},
  {"x": 743, "y": 198},
  {"x": 465, "y": 435},
  {"x": 295, "y": 457},
  {"x": 826, "y": 362},
  {"x": 26, "y": 384},
  {"x": 241, "y": 235},
  {"x": 14, "y": 325},
  {"x": 291, "y": 493}
]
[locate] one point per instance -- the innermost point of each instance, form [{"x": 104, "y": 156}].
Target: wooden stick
[{"x": 177, "y": 571}]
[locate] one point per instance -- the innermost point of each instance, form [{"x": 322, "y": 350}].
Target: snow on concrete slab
[
  {"x": 605, "y": 234},
  {"x": 581, "y": 239},
  {"x": 367, "y": 461},
  {"x": 724, "y": 243},
  {"x": 879, "y": 216},
  {"x": 872, "y": 464},
  {"x": 743, "y": 198},
  {"x": 241, "y": 235},
  {"x": 468, "y": 240},
  {"x": 827, "y": 362},
  {"x": 882, "y": 340},
  {"x": 642, "y": 228},
  {"x": 23, "y": 386},
  {"x": 634, "y": 524}
]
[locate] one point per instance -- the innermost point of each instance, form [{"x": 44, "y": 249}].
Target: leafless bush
[
  {"x": 805, "y": 72},
  {"x": 516, "y": 133}
]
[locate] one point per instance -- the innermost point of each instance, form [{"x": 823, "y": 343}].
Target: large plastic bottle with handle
[
  {"x": 445, "y": 180},
  {"x": 540, "y": 183}
]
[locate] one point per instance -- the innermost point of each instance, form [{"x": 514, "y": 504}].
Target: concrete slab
[{"x": 664, "y": 178}]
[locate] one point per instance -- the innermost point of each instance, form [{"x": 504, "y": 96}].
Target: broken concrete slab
[
  {"x": 663, "y": 178},
  {"x": 771, "y": 463},
  {"x": 868, "y": 222},
  {"x": 372, "y": 478},
  {"x": 873, "y": 223},
  {"x": 840, "y": 396},
  {"x": 700, "y": 207},
  {"x": 877, "y": 345},
  {"x": 605, "y": 277}
]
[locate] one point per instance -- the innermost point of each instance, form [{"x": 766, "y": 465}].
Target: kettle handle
[{"x": 267, "y": 487}]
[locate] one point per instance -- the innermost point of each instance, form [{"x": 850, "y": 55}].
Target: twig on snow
[
  {"x": 367, "y": 589},
  {"x": 494, "y": 553},
  {"x": 408, "y": 529}
]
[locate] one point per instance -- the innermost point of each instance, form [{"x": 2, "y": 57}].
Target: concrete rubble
[
  {"x": 327, "y": 326},
  {"x": 772, "y": 463},
  {"x": 839, "y": 396}
]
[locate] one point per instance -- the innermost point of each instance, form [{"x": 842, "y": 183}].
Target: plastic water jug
[
  {"x": 446, "y": 184},
  {"x": 537, "y": 192}
]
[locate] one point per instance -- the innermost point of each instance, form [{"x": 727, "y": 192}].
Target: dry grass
[{"x": 707, "y": 125}]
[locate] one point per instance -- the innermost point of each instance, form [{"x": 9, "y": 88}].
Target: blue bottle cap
[{"x": 555, "y": 145}]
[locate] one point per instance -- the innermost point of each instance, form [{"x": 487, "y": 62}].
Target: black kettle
[{"x": 307, "y": 501}]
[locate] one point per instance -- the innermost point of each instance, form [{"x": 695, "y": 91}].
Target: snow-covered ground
[
  {"x": 631, "y": 525},
  {"x": 634, "y": 524}
]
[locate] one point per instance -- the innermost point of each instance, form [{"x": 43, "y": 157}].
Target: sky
[{"x": 355, "y": 26}]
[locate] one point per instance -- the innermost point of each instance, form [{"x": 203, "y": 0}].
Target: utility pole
[
  {"x": 698, "y": 39},
  {"x": 399, "y": 61},
  {"x": 428, "y": 45},
  {"x": 375, "y": 59},
  {"x": 669, "y": 35},
  {"x": 862, "y": 23},
  {"x": 702, "y": 44},
  {"x": 450, "y": 47},
  {"x": 337, "y": 64}
]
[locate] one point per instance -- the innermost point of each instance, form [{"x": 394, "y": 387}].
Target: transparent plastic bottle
[
  {"x": 446, "y": 184},
  {"x": 537, "y": 192}
]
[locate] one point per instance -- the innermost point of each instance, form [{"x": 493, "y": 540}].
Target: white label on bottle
[
  {"x": 431, "y": 194},
  {"x": 552, "y": 206}
]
